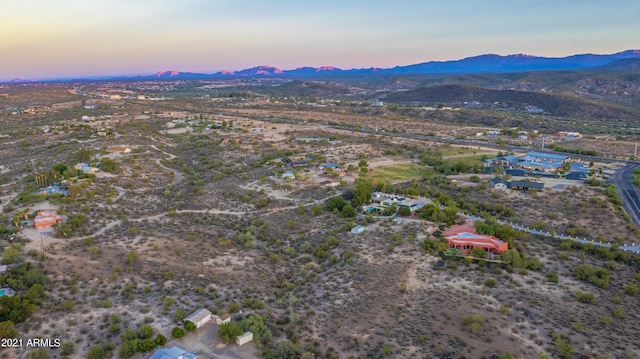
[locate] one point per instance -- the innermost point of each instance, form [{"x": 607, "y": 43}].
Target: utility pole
[
  {"x": 202, "y": 262},
  {"x": 635, "y": 151}
]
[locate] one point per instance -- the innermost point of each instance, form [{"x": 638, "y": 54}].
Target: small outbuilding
[
  {"x": 499, "y": 183},
  {"x": 244, "y": 338},
  {"x": 288, "y": 174},
  {"x": 224, "y": 318},
  {"x": 199, "y": 317},
  {"x": 357, "y": 229}
]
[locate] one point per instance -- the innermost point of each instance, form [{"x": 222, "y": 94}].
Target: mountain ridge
[{"x": 485, "y": 63}]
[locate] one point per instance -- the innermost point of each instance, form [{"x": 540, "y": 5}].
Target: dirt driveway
[{"x": 204, "y": 341}]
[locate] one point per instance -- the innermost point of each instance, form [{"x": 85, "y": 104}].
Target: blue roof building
[
  {"x": 547, "y": 156},
  {"x": 173, "y": 353}
]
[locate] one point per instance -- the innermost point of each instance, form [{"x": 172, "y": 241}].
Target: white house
[
  {"x": 244, "y": 338},
  {"x": 86, "y": 168},
  {"x": 288, "y": 174},
  {"x": 357, "y": 229},
  {"x": 199, "y": 317}
]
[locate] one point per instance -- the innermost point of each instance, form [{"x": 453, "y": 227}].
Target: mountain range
[
  {"x": 471, "y": 65},
  {"x": 486, "y": 64}
]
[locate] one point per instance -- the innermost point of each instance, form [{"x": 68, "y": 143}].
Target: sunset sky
[{"x": 42, "y": 39}]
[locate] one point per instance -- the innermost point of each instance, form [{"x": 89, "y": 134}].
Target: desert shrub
[
  {"x": 234, "y": 307},
  {"x": 96, "y": 352},
  {"x": 491, "y": 283},
  {"x": 67, "y": 348},
  {"x": 473, "y": 322},
  {"x": 587, "y": 298},
  {"x": 595, "y": 275},
  {"x": 40, "y": 353},
  {"x": 564, "y": 348}
]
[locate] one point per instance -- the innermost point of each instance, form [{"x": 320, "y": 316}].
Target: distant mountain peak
[
  {"x": 327, "y": 68},
  {"x": 169, "y": 73},
  {"x": 21, "y": 81}
]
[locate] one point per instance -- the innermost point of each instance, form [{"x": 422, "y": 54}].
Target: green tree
[
  {"x": 478, "y": 252},
  {"x": 189, "y": 325},
  {"x": 348, "y": 211},
  {"x": 84, "y": 155},
  {"x": 128, "y": 348},
  {"x": 334, "y": 203},
  {"x": 177, "y": 332},
  {"x": 161, "y": 340},
  {"x": 229, "y": 331},
  {"x": 11, "y": 255},
  {"x": 180, "y": 315},
  {"x": 145, "y": 332},
  {"x": 362, "y": 192},
  {"x": 146, "y": 345}
]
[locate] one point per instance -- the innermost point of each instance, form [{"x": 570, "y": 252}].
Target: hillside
[{"x": 555, "y": 104}]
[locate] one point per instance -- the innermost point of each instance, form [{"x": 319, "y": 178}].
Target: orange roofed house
[
  {"x": 466, "y": 241},
  {"x": 46, "y": 219}
]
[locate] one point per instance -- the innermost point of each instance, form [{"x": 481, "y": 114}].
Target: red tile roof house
[
  {"x": 466, "y": 241},
  {"x": 465, "y": 238},
  {"x": 46, "y": 219}
]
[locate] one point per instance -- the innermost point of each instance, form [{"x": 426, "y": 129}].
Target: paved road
[{"x": 627, "y": 191}]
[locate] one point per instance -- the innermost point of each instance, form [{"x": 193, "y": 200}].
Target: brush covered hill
[
  {"x": 305, "y": 89},
  {"x": 555, "y": 104}
]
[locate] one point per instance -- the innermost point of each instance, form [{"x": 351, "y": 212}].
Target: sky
[{"x": 44, "y": 39}]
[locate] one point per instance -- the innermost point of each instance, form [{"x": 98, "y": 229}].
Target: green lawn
[
  {"x": 471, "y": 159},
  {"x": 453, "y": 151},
  {"x": 403, "y": 172}
]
